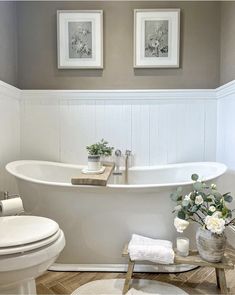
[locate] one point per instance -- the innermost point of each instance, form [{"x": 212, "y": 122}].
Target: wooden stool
[{"x": 192, "y": 259}]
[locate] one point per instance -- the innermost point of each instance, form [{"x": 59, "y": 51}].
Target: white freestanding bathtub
[{"x": 98, "y": 221}]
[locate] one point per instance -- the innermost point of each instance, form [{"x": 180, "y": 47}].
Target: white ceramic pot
[
  {"x": 210, "y": 246},
  {"x": 94, "y": 163}
]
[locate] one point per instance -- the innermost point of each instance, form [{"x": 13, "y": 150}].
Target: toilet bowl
[{"x": 29, "y": 245}]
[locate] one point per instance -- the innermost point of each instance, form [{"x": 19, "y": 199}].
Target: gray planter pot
[
  {"x": 94, "y": 162},
  {"x": 210, "y": 246}
]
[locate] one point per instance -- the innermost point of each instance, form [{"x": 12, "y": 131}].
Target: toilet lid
[{"x": 21, "y": 230}]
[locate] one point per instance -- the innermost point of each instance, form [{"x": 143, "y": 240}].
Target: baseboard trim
[{"x": 121, "y": 268}]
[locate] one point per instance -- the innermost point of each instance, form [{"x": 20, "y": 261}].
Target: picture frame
[
  {"x": 80, "y": 39},
  {"x": 156, "y": 38}
]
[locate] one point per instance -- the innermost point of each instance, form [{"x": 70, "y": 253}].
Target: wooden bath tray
[{"x": 95, "y": 179}]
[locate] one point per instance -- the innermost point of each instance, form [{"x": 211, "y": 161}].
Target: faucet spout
[
  {"x": 127, "y": 156},
  {"x": 117, "y": 170}
]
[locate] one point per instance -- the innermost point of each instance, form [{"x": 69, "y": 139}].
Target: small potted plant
[
  {"x": 208, "y": 207},
  {"x": 95, "y": 151}
]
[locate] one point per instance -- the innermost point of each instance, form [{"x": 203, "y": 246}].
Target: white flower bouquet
[{"x": 204, "y": 205}]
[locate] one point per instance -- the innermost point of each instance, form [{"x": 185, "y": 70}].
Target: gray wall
[
  {"x": 200, "y": 42},
  {"x": 8, "y": 43},
  {"x": 227, "y": 58}
]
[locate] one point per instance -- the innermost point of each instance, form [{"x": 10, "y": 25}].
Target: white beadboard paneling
[
  {"x": 113, "y": 122},
  {"x": 226, "y": 124},
  {"x": 140, "y": 133},
  {"x": 77, "y": 118},
  {"x": 40, "y": 129},
  {"x": 158, "y": 130},
  {"x": 210, "y": 126},
  {"x": 191, "y": 133},
  {"x": 158, "y": 125},
  {"x": 9, "y": 133},
  {"x": 226, "y": 131},
  {"x": 173, "y": 132}
]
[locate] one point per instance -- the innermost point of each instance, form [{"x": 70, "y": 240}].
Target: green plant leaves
[
  {"x": 174, "y": 196},
  {"x": 194, "y": 177},
  {"x": 196, "y": 205},
  {"x": 185, "y": 203},
  {"x": 100, "y": 148},
  {"x": 181, "y": 214},
  {"x": 198, "y": 186},
  {"x": 228, "y": 198},
  {"x": 179, "y": 190}
]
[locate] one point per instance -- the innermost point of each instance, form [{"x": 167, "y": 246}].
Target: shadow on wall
[
  {"x": 78, "y": 73},
  {"x": 158, "y": 72}
]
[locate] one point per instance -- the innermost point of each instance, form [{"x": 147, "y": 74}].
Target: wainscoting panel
[
  {"x": 226, "y": 125},
  {"x": 40, "y": 129},
  {"x": 159, "y": 127},
  {"x": 10, "y": 133}
]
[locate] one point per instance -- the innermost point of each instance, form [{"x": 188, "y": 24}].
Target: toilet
[{"x": 29, "y": 245}]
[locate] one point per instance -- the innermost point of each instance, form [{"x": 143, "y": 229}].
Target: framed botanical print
[
  {"x": 80, "y": 39},
  {"x": 156, "y": 38}
]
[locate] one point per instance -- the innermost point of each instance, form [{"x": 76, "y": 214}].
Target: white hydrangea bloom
[
  {"x": 214, "y": 224},
  {"x": 212, "y": 208},
  {"x": 187, "y": 197},
  {"x": 198, "y": 200},
  {"x": 180, "y": 224}
]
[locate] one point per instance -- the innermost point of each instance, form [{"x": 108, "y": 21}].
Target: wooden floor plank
[
  {"x": 60, "y": 289},
  {"x": 198, "y": 281},
  {"x": 43, "y": 290}
]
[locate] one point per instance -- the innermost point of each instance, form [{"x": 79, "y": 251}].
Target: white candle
[{"x": 182, "y": 245}]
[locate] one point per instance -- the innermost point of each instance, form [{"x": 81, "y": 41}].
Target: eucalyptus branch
[
  {"x": 200, "y": 218},
  {"x": 231, "y": 222},
  {"x": 205, "y": 206},
  {"x": 205, "y": 210},
  {"x": 197, "y": 221}
]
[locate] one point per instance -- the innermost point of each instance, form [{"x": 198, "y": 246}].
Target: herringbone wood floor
[{"x": 198, "y": 281}]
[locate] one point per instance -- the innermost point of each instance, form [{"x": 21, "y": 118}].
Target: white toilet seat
[
  {"x": 21, "y": 234},
  {"x": 30, "y": 246},
  {"x": 22, "y": 230},
  {"x": 26, "y": 260}
]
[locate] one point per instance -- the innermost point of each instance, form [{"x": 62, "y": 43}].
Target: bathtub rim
[{"x": 11, "y": 169}]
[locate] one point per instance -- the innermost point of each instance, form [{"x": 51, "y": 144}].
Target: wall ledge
[
  {"x": 129, "y": 94},
  {"x": 225, "y": 90},
  {"x": 155, "y": 94},
  {"x": 9, "y": 90}
]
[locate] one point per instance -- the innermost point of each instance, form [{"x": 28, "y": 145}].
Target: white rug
[{"x": 138, "y": 287}]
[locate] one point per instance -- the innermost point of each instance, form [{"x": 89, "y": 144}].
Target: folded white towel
[
  {"x": 154, "y": 250},
  {"x": 141, "y": 240}
]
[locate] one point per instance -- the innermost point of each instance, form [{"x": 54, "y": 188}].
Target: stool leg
[
  {"x": 129, "y": 273},
  {"x": 217, "y": 277},
  {"x": 222, "y": 281}
]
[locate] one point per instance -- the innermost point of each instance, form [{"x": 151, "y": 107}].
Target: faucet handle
[
  {"x": 118, "y": 153},
  {"x": 128, "y": 153}
]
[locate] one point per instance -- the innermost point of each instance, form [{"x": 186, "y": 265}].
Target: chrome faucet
[
  {"x": 127, "y": 156},
  {"x": 117, "y": 170}
]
